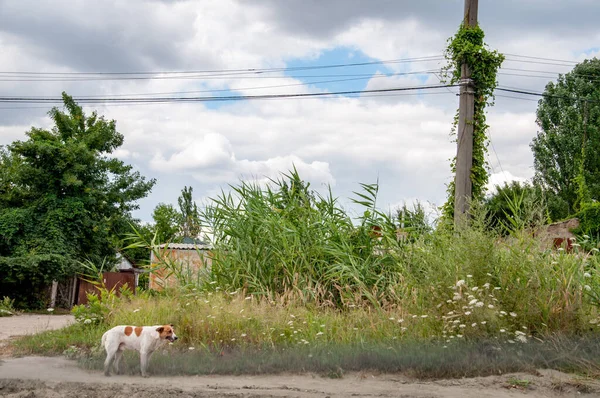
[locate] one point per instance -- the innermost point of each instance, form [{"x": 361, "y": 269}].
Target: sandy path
[
  {"x": 21, "y": 325},
  {"x": 57, "y": 377},
  {"x": 54, "y": 377}
]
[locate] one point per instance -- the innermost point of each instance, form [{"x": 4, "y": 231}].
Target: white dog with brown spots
[{"x": 145, "y": 339}]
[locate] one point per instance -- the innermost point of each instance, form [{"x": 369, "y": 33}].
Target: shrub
[
  {"x": 26, "y": 278},
  {"x": 7, "y": 307}
]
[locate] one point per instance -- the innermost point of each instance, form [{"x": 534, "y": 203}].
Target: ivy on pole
[{"x": 468, "y": 47}]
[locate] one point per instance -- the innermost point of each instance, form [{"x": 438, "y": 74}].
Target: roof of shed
[{"x": 186, "y": 246}]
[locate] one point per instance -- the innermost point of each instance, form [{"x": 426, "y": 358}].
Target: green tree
[
  {"x": 60, "y": 190},
  {"x": 566, "y": 150},
  {"x": 167, "y": 222},
  {"x": 190, "y": 217},
  {"x": 515, "y": 205}
]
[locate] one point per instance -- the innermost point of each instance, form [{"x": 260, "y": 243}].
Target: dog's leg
[
  {"x": 117, "y": 361},
  {"x": 144, "y": 358},
  {"x": 110, "y": 355}
]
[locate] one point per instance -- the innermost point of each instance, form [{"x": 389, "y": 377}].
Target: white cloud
[
  {"x": 401, "y": 139},
  {"x": 501, "y": 178}
]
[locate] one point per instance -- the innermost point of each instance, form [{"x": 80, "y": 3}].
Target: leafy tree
[
  {"x": 514, "y": 206},
  {"x": 167, "y": 222},
  {"x": 190, "y": 217},
  {"x": 566, "y": 150},
  {"x": 61, "y": 192}
]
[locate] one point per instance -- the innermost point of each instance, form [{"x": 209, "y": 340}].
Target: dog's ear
[
  {"x": 172, "y": 325},
  {"x": 160, "y": 329}
]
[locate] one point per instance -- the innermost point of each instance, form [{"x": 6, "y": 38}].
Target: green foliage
[
  {"x": 286, "y": 239},
  {"x": 25, "y": 278},
  {"x": 167, "y": 223},
  {"x": 92, "y": 271},
  {"x": 190, "y": 217},
  {"x": 515, "y": 206},
  {"x": 589, "y": 221},
  {"x": 7, "y": 307},
  {"x": 62, "y": 197},
  {"x": 94, "y": 312},
  {"x": 566, "y": 150},
  {"x": 467, "y": 47},
  {"x": 61, "y": 192},
  {"x": 413, "y": 221}
]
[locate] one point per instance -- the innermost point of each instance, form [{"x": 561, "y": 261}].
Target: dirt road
[
  {"x": 58, "y": 377},
  {"x": 21, "y": 325},
  {"x": 54, "y": 377}
]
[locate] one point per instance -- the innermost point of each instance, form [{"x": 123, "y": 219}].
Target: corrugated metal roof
[{"x": 186, "y": 246}]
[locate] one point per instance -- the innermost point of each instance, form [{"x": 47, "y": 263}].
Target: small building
[{"x": 179, "y": 263}]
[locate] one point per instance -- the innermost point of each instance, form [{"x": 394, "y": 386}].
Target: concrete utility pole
[{"x": 463, "y": 187}]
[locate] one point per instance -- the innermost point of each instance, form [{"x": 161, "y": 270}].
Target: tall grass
[
  {"x": 292, "y": 271},
  {"x": 288, "y": 241}
]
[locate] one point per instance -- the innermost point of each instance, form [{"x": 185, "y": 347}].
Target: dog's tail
[{"x": 104, "y": 337}]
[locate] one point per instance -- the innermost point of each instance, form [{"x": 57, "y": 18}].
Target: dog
[{"x": 145, "y": 339}]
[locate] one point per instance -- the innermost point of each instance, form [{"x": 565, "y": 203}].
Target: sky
[{"x": 401, "y": 140}]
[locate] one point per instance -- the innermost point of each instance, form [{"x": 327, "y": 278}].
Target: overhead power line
[
  {"x": 221, "y": 72},
  {"x": 532, "y": 93},
  {"x": 89, "y": 100}
]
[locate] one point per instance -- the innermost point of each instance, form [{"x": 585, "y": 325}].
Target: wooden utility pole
[{"x": 463, "y": 187}]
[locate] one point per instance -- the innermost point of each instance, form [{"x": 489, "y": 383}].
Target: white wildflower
[
  {"x": 490, "y": 306},
  {"x": 475, "y": 288},
  {"x": 468, "y": 313},
  {"x": 320, "y": 333},
  {"x": 460, "y": 283},
  {"x": 513, "y": 314},
  {"x": 469, "y": 276},
  {"x": 474, "y": 301},
  {"x": 136, "y": 310},
  {"x": 587, "y": 275},
  {"x": 587, "y": 287},
  {"x": 424, "y": 316},
  {"x": 87, "y": 321},
  {"x": 474, "y": 324},
  {"x": 191, "y": 348},
  {"x": 479, "y": 304}
]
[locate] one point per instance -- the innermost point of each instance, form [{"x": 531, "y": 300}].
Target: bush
[
  {"x": 589, "y": 220},
  {"x": 26, "y": 278},
  {"x": 7, "y": 307}
]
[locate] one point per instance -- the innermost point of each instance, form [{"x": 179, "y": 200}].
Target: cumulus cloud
[{"x": 401, "y": 139}]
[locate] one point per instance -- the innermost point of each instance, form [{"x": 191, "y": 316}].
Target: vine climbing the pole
[{"x": 467, "y": 46}]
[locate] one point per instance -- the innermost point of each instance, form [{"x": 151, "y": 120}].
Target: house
[{"x": 179, "y": 263}]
